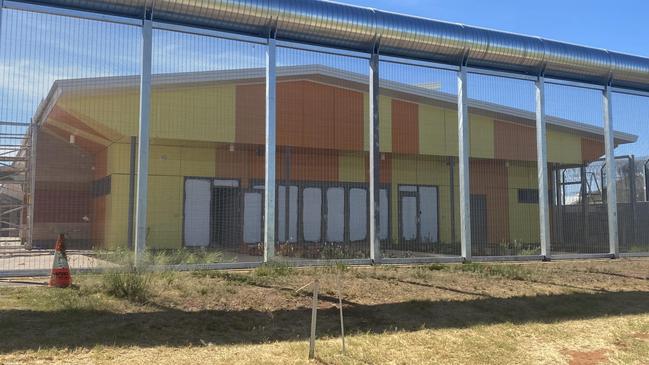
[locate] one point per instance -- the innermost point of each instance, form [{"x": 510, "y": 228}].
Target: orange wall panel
[
  {"x": 290, "y": 113},
  {"x": 61, "y": 202},
  {"x": 250, "y": 114},
  {"x": 514, "y": 142},
  {"x": 318, "y": 116},
  {"x": 591, "y": 149},
  {"x": 318, "y": 166},
  {"x": 101, "y": 164},
  {"x": 244, "y": 165},
  {"x": 489, "y": 177},
  {"x": 348, "y": 119},
  {"x": 405, "y": 127}
]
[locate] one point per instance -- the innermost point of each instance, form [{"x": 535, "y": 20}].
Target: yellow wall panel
[
  {"x": 482, "y": 136},
  {"x": 385, "y": 124},
  {"x": 116, "y": 111},
  {"x": 452, "y": 144},
  {"x": 197, "y": 161},
  {"x": 432, "y": 130},
  {"x": 351, "y": 167},
  {"x": 164, "y": 160},
  {"x": 523, "y": 217},
  {"x": 563, "y": 147},
  {"x": 165, "y": 218},
  {"x": 205, "y": 113},
  {"x": 522, "y": 175},
  {"x": 119, "y": 159},
  {"x": 117, "y": 212}
]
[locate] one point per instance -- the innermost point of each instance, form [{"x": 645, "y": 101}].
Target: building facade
[{"x": 206, "y": 172}]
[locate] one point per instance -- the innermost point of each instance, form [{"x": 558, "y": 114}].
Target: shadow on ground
[{"x": 30, "y": 330}]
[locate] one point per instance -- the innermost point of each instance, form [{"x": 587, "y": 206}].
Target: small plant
[
  {"x": 128, "y": 284},
  {"x": 512, "y": 272},
  {"x": 184, "y": 256},
  {"x": 274, "y": 270},
  {"x": 436, "y": 267}
]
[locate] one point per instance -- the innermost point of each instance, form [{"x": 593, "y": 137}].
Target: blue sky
[{"x": 619, "y": 25}]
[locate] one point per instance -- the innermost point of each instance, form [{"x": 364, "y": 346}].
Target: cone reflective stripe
[{"x": 60, "y": 277}]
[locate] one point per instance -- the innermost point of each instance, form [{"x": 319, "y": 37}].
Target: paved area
[
  {"x": 24, "y": 282},
  {"x": 17, "y": 258}
]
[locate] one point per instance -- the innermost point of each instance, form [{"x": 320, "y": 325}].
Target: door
[
  {"x": 479, "y": 220},
  {"x": 198, "y": 201},
  {"x": 226, "y": 216},
  {"x": 357, "y": 214},
  {"x": 428, "y": 224},
  {"x": 287, "y": 213},
  {"x": 418, "y": 212},
  {"x": 408, "y": 224},
  {"x": 252, "y": 217}
]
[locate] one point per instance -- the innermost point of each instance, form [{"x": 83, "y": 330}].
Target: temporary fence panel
[
  {"x": 322, "y": 159},
  {"x": 631, "y": 120},
  {"x": 503, "y": 169},
  {"x": 576, "y": 150},
  {"x": 69, "y": 98},
  {"x": 206, "y": 163},
  {"x": 419, "y": 161},
  {"x": 255, "y": 150}
]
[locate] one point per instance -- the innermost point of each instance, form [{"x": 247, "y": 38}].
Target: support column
[
  {"x": 633, "y": 199},
  {"x": 542, "y": 162},
  {"x": 131, "y": 191},
  {"x": 463, "y": 166},
  {"x": 2, "y": 5},
  {"x": 451, "y": 168},
  {"x": 611, "y": 173},
  {"x": 32, "y": 183},
  {"x": 269, "y": 195},
  {"x": 143, "y": 142},
  {"x": 375, "y": 161}
]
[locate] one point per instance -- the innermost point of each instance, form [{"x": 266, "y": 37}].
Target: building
[{"x": 207, "y": 162}]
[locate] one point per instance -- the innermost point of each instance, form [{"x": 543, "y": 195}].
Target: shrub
[{"x": 128, "y": 284}]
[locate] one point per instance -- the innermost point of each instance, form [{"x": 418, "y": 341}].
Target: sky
[
  {"x": 36, "y": 49},
  {"x": 619, "y": 25}
]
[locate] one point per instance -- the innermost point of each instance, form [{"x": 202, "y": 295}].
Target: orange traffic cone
[{"x": 60, "y": 277}]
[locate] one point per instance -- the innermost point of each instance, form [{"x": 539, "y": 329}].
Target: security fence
[{"x": 255, "y": 150}]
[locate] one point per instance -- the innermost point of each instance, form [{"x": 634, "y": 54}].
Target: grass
[
  {"x": 128, "y": 284},
  {"x": 125, "y": 257},
  {"x": 507, "y": 271},
  {"x": 552, "y": 313}
]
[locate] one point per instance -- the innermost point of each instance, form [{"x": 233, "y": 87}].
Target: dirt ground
[{"x": 582, "y": 312}]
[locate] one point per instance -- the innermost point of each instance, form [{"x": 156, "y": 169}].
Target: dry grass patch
[{"x": 547, "y": 313}]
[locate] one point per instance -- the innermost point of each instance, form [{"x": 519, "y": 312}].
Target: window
[
  {"x": 335, "y": 215},
  {"x": 528, "y": 196},
  {"x": 312, "y": 214},
  {"x": 252, "y": 213},
  {"x": 357, "y": 214}
]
